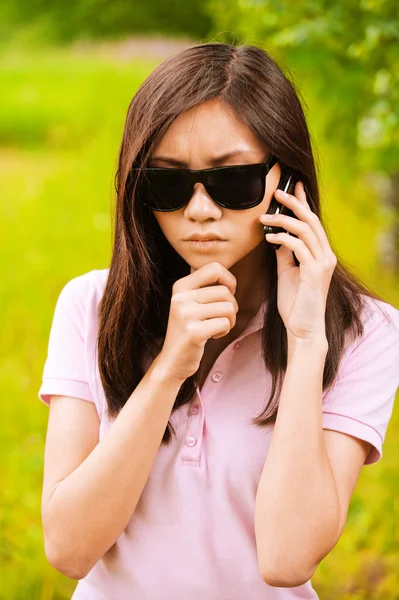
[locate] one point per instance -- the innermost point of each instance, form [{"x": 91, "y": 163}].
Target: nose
[{"x": 201, "y": 206}]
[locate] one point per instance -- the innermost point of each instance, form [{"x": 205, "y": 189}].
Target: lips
[
  {"x": 204, "y": 238},
  {"x": 205, "y": 245}
]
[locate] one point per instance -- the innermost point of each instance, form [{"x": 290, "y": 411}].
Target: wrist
[
  {"x": 162, "y": 372},
  {"x": 317, "y": 344}
]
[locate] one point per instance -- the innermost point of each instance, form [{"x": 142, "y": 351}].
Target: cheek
[
  {"x": 160, "y": 219},
  {"x": 249, "y": 230},
  {"x": 168, "y": 224}
]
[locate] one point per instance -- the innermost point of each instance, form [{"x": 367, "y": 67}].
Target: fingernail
[{"x": 281, "y": 193}]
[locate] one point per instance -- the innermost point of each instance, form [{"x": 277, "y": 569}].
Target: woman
[{"x": 212, "y": 403}]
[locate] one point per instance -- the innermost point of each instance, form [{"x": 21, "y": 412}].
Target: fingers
[
  {"x": 212, "y": 273},
  {"x": 307, "y": 226}
]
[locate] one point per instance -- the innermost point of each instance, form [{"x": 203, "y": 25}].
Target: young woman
[{"x": 212, "y": 402}]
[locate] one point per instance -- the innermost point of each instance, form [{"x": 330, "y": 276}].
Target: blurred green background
[{"x": 68, "y": 72}]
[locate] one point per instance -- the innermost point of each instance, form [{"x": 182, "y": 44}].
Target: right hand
[{"x": 199, "y": 310}]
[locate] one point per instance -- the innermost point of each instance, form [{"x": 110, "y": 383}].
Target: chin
[{"x": 225, "y": 262}]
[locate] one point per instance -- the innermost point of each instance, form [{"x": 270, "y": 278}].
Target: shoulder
[
  {"x": 86, "y": 289},
  {"x": 380, "y": 320},
  {"x": 78, "y": 301},
  {"x": 377, "y": 310},
  {"x": 360, "y": 400},
  {"x": 375, "y": 353},
  {"x": 90, "y": 282}
]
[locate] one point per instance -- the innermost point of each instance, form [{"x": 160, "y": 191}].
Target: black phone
[{"x": 287, "y": 184}]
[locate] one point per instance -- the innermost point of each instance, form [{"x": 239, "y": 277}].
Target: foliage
[
  {"x": 346, "y": 51},
  {"x": 63, "y": 21}
]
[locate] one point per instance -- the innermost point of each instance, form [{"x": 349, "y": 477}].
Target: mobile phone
[{"x": 287, "y": 184}]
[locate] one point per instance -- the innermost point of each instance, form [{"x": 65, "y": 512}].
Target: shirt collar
[{"x": 256, "y": 322}]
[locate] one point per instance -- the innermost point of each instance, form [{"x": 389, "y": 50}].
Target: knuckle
[
  {"x": 232, "y": 309},
  {"x": 333, "y": 264},
  {"x": 220, "y": 268},
  {"x": 226, "y": 291},
  {"x": 191, "y": 329},
  {"x": 176, "y": 297},
  {"x": 179, "y": 303},
  {"x": 330, "y": 262},
  {"x": 175, "y": 287}
]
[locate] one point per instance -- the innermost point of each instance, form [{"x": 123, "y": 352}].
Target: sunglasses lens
[
  {"x": 237, "y": 187},
  {"x": 232, "y": 187},
  {"x": 164, "y": 190}
]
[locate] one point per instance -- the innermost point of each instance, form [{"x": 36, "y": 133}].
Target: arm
[
  {"x": 88, "y": 510},
  {"x": 297, "y": 510},
  {"x": 309, "y": 474}
]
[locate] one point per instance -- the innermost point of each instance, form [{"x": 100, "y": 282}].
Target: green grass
[{"x": 61, "y": 121}]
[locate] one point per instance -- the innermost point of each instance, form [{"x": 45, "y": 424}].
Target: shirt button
[
  {"x": 191, "y": 440},
  {"x": 217, "y": 376},
  {"x": 236, "y": 345},
  {"x": 194, "y": 410}
]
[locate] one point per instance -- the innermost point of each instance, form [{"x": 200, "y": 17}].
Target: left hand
[{"x": 302, "y": 291}]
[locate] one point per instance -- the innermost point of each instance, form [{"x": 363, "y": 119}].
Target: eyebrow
[{"x": 213, "y": 161}]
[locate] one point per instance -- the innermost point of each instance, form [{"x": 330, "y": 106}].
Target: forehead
[{"x": 208, "y": 129}]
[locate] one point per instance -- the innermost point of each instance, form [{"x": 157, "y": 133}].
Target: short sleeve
[
  {"x": 65, "y": 370},
  {"x": 360, "y": 403}
]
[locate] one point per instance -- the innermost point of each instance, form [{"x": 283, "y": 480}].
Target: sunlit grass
[{"x": 61, "y": 121}]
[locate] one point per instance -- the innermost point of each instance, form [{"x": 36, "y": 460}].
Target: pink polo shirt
[{"x": 192, "y": 533}]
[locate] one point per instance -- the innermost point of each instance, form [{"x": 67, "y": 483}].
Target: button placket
[
  {"x": 222, "y": 365},
  {"x": 217, "y": 376},
  {"x": 192, "y": 441}
]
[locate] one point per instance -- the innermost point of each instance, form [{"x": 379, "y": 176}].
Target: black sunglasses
[{"x": 236, "y": 187}]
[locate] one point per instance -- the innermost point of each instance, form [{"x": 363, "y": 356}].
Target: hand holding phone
[{"x": 287, "y": 184}]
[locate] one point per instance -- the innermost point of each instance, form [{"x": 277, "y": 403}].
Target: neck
[{"x": 250, "y": 273}]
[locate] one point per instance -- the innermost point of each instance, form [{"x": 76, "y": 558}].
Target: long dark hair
[{"x": 134, "y": 309}]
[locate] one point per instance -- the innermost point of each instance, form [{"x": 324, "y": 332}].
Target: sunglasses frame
[{"x": 202, "y": 175}]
